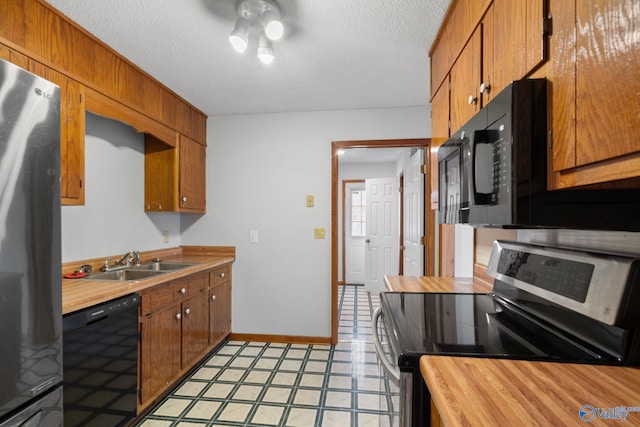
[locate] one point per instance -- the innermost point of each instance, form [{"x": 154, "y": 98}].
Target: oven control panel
[{"x": 594, "y": 284}]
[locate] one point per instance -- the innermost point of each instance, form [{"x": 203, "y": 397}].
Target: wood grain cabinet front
[
  {"x": 175, "y": 333},
  {"x": 219, "y": 313},
  {"x": 175, "y": 176},
  {"x": 595, "y": 92}
]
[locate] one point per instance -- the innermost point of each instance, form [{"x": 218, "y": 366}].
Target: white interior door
[
  {"x": 381, "y": 254},
  {"x": 355, "y": 229},
  {"x": 413, "y": 193}
]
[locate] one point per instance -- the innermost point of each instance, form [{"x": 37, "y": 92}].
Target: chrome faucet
[{"x": 128, "y": 260}]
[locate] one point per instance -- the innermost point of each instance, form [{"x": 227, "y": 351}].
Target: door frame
[{"x": 429, "y": 215}]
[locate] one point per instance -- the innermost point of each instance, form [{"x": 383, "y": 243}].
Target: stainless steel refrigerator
[{"x": 30, "y": 260}]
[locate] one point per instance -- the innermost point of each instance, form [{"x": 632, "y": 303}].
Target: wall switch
[
  {"x": 310, "y": 201},
  {"x": 253, "y": 236},
  {"x": 165, "y": 236},
  {"x": 318, "y": 233}
]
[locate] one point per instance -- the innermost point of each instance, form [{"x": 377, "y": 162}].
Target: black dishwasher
[{"x": 100, "y": 359}]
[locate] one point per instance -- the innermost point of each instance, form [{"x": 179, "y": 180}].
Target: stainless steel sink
[
  {"x": 124, "y": 275},
  {"x": 163, "y": 266}
]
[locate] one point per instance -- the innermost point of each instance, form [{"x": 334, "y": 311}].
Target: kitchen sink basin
[
  {"x": 163, "y": 266},
  {"x": 124, "y": 275}
]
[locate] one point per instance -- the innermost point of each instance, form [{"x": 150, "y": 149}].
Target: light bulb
[
  {"x": 265, "y": 50},
  {"x": 240, "y": 35},
  {"x": 273, "y": 27}
]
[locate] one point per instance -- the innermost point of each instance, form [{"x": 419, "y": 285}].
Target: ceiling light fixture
[{"x": 266, "y": 17}]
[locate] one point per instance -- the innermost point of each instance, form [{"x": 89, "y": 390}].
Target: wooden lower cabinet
[
  {"x": 159, "y": 351},
  {"x": 180, "y": 322},
  {"x": 219, "y": 313},
  {"x": 195, "y": 329}
]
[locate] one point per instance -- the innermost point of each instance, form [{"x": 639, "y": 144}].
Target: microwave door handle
[{"x": 479, "y": 198}]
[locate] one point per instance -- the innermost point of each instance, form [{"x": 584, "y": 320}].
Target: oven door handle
[{"x": 393, "y": 372}]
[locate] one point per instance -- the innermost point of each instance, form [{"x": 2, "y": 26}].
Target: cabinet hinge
[
  {"x": 550, "y": 140},
  {"x": 423, "y": 169},
  {"x": 400, "y": 190},
  {"x": 547, "y": 25},
  {"x": 81, "y": 98},
  {"x": 423, "y": 240},
  {"x": 140, "y": 394},
  {"x": 449, "y": 124}
]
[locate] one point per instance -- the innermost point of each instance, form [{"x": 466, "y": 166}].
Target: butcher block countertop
[
  {"x": 436, "y": 284},
  {"x": 82, "y": 293},
  {"x": 468, "y": 391}
]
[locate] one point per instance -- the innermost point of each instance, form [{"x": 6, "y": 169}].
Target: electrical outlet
[
  {"x": 253, "y": 236},
  {"x": 310, "y": 201},
  {"x": 318, "y": 233},
  {"x": 165, "y": 236}
]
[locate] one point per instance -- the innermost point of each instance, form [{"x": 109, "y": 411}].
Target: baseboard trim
[{"x": 287, "y": 339}]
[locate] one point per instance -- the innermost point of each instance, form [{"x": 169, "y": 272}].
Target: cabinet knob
[
  {"x": 485, "y": 87},
  {"x": 184, "y": 199},
  {"x": 213, "y": 297},
  {"x": 159, "y": 206},
  {"x": 183, "y": 290},
  {"x": 221, "y": 274},
  {"x": 178, "y": 316},
  {"x": 472, "y": 100},
  {"x": 187, "y": 310}
]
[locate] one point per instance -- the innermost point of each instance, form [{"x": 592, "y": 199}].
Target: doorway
[{"x": 429, "y": 219}]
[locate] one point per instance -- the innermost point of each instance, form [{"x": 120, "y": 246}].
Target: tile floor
[{"x": 269, "y": 384}]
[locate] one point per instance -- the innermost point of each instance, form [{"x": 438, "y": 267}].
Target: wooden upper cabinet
[
  {"x": 595, "y": 90},
  {"x": 465, "y": 83},
  {"x": 439, "y": 134},
  {"x": 72, "y": 134},
  {"x": 175, "y": 177},
  {"x": 192, "y": 175}
]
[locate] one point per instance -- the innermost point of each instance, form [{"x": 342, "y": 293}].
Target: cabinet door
[
  {"x": 465, "y": 82},
  {"x": 595, "y": 75},
  {"x": 72, "y": 132},
  {"x": 195, "y": 329},
  {"x": 159, "y": 351},
  {"x": 220, "y": 313},
  {"x": 192, "y": 175},
  {"x": 439, "y": 134}
]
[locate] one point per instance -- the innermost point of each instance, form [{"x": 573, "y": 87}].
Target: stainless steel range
[{"x": 548, "y": 304}]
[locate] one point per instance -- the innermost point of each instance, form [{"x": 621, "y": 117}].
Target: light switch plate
[
  {"x": 310, "y": 201},
  {"x": 318, "y": 233},
  {"x": 165, "y": 236},
  {"x": 253, "y": 236}
]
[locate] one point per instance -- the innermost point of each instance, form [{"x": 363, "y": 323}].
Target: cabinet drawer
[
  {"x": 197, "y": 284},
  {"x": 180, "y": 290},
  {"x": 159, "y": 297},
  {"x": 220, "y": 275}
]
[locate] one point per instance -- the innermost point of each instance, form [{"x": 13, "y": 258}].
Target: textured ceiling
[{"x": 336, "y": 54}]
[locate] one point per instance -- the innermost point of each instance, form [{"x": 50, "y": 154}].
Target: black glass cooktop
[{"x": 480, "y": 325}]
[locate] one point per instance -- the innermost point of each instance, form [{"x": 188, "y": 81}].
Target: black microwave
[{"x": 493, "y": 172}]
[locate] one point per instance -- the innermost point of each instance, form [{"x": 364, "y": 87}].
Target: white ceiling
[{"x": 336, "y": 54}]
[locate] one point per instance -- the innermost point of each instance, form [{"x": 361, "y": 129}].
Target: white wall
[
  {"x": 259, "y": 170},
  {"x": 113, "y": 220}
]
